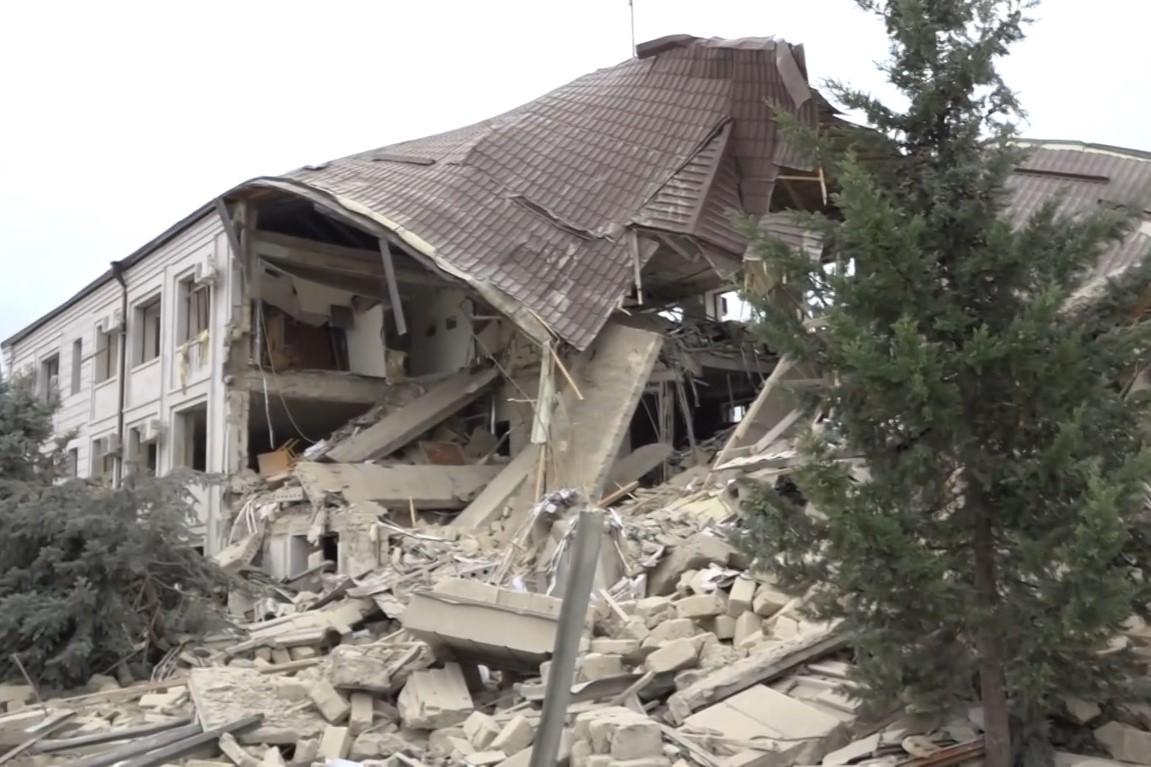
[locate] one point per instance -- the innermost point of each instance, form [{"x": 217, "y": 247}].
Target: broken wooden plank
[
  {"x": 403, "y": 425},
  {"x": 124, "y": 733},
  {"x": 425, "y": 486},
  {"x": 492, "y": 500},
  {"x": 761, "y": 667}
]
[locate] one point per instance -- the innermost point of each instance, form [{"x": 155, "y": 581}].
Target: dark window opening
[{"x": 192, "y": 438}]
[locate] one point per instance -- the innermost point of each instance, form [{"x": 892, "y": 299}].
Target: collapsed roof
[
  {"x": 1081, "y": 177},
  {"x": 536, "y": 203}
]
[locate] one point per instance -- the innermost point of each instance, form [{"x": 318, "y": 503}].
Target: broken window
[
  {"x": 49, "y": 381},
  {"x": 143, "y": 452},
  {"x": 195, "y": 305},
  {"x": 191, "y": 438},
  {"x": 77, "y": 361},
  {"x": 105, "y": 453},
  {"x": 107, "y": 353},
  {"x": 147, "y": 318}
]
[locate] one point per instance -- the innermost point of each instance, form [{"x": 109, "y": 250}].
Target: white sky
[{"x": 118, "y": 118}]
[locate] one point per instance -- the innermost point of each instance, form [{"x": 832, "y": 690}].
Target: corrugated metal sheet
[{"x": 534, "y": 202}]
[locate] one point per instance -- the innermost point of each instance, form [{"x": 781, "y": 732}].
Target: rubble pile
[{"x": 428, "y": 640}]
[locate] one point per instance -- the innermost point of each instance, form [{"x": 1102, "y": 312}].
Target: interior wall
[
  {"x": 440, "y": 324},
  {"x": 366, "y": 343}
]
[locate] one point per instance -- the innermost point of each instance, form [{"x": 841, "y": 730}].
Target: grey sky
[{"x": 118, "y": 118}]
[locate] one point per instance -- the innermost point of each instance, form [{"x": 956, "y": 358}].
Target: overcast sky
[{"x": 118, "y": 118}]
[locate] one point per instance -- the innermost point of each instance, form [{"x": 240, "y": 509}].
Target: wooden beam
[
  {"x": 123, "y": 733},
  {"x": 393, "y": 287}
]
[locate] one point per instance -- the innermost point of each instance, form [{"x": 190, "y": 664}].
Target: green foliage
[
  {"x": 978, "y": 384},
  {"x": 89, "y": 576}
]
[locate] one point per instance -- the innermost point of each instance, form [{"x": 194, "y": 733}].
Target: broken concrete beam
[
  {"x": 331, "y": 705},
  {"x": 627, "y": 648},
  {"x": 486, "y": 507},
  {"x": 674, "y": 655},
  {"x": 426, "y": 486},
  {"x": 335, "y": 743},
  {"x": 587, "y": 433},
  {"x": 359, "y": 712},
  {"x": 1124, "y": 742},
  {"x": 404, "y": 424},
  {"x": 435, "y": 698},
  {"x": 696, "y": 552},
  {"x": 763, "y": 666},
  {"x": 480, "y": 729},
  {"x": 235, "y": 752},
  {"x": 515, "y": 736},
  {"x": 485, "y": 758},
  {"x": 700, "y": 606},
  {"x": 798, "y": 732},
  {"x": 482, "y": 623},
  {"x": 637, "y": 463}
]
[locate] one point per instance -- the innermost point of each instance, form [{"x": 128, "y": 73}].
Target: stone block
[
  {"x": 740, "y": 598},
  {"x": 723, "y": 626},
  {"x": 435, "y": 698},
  {"x": 335, "y": 743},
  {"x": 360, "y": 712},
  {"x": 746, "y": 624},
  {"x": 624, "y": 647},
  {"x": 485, "y": 758},
  {"x": 1081, "y": 711},
  {"x": 673, "y": 656},
  {"x": 700, "y": 606},
  {"x": 676, "y": 628},
  {"x": 480, "y": 729},
  {"x": 515, "y": 736},
  {"x": 597, "y": 666},
  {"x": 768, "y": 601},
  {"x": 697, "y": 551},
  {"x": 331, "y": 705},
  {"x": 636, "y": 738},
  {"x": 1124, "y": 742}
]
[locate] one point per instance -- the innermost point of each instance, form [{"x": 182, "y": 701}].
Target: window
[
  {"x": 105, "y": 453},
  {"x": 77, "y": 361},
  {"x": 147, "y": 334},
  {"x": 143, "y": 452},
  {"x": 191, "y": 438},
  {"x": 49, "y": 381},
  {"x": 195, "y": 307},
  {"x": 72, "y": 463},
  {"x": 107, "y": 353}
]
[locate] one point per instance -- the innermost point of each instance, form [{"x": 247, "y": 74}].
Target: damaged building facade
[{"x": 517, "y": 303}]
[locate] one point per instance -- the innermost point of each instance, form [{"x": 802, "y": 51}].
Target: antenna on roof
[{"x": 631, "y": 11}]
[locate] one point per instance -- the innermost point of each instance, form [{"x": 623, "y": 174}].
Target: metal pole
[{"x": 573, "y": 614}]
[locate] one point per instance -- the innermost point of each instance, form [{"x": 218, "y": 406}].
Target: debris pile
[{"x": 428, "y": 638}]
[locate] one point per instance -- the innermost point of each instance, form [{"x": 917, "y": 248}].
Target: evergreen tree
[
  {"x": 995, "y": 540},
  {"x": 90, "y": 577}
]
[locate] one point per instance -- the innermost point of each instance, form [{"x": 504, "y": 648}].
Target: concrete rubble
[{"x": 424, "y": 637}]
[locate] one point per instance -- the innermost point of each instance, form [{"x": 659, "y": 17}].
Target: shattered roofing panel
[
  {"x": 1086, "y": 177},
  {"x": 535, "y": 202}
]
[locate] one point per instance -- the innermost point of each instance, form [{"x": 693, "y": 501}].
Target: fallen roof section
[{"x": 535, "y": 203}]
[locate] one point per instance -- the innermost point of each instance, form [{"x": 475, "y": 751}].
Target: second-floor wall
[{"x": 178, "y": 308}]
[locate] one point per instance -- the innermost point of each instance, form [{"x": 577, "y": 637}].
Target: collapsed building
[{"x": 423, "y": 362}]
